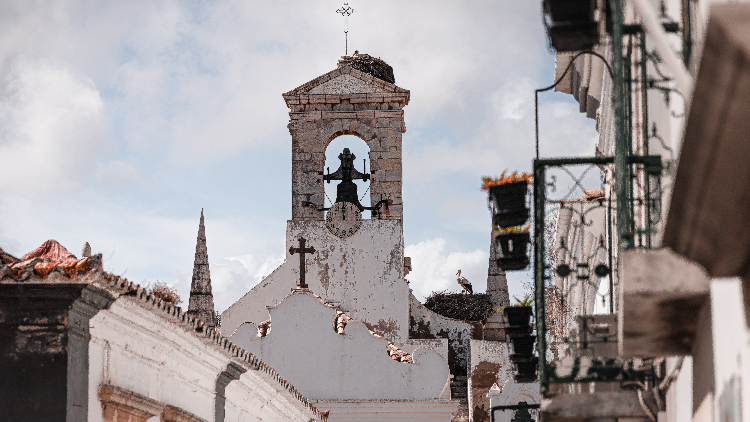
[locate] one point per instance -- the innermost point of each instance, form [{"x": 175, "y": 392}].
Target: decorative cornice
[
  {"x": 116, "y": 399},
  {"x": 175, "y": 414}
]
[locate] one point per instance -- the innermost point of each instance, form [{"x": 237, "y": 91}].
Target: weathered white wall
[
  {"x": 438, "y": 345},
  {"x": 425, "y": 324},
  {"x": 135, "y": 348},
  {"x": 423, "y": 411},
  {"x": 303, "y": 345},
  {"x": 729, "y": 342},
  {"x": 363, "y": 274},
  {"x": 490, "y": 364},
  {"x": 513, "y": 393}
]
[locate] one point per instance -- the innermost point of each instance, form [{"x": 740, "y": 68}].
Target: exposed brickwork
[{"x": 330, "y": 106}]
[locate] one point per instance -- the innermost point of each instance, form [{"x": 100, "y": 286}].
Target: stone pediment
[{"x": 346, "y": 82}]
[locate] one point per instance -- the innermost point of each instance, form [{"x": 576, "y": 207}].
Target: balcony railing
[{"x": 575, "y": 247}]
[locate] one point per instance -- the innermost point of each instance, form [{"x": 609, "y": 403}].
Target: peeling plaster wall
[
  {"x": 490, "y": 364},
  {"x": 438, "y": 345},
  {"x": 397, "y": 410},
  {"x": 304, "y": 347},
  {"x": 362, "y": 274},
  {"x": 425, "y": 324},
  {"x": 135, "y": 349}
]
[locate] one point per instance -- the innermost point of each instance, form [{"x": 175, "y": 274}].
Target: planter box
[
  {"x": 523, "y": 345},
  {"x": 571, "y": 24},
  {"x": 511, "y": 250},
  {"x": 575, "y": 36},
  {"x": 518, "y": 316},
  {"x": 526, "y": 369},
  {"x": 509, "y": 201},
  {"x": 570, "y": 10}
]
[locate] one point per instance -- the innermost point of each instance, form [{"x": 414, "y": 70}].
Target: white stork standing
[{"x": 463, "y": 282}]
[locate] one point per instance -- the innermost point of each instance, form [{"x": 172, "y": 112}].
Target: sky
[{"x": 121, "y": 120}]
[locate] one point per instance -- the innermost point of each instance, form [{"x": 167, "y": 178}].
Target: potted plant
[
  {"x": 519, "y": 316},
  {"x": 508, "y": 197},
  {"x": 511, "y": 245}
]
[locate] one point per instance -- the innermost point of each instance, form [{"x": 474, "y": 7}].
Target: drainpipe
[
  {"x": 672, "y": 61},
  {"x": 624, "y": 236}
]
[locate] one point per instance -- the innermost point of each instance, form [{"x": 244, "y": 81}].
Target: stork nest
[
  {"x": 374, "y": 66},
  {"x": 467, "y": 307}
]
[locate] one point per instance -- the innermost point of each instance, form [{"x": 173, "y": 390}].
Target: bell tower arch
[{"x": 358, "y": 98}]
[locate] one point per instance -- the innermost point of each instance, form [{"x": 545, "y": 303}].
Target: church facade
[
  {"x": 333, "y": 333},
  {"x": 341, "y": 310}
]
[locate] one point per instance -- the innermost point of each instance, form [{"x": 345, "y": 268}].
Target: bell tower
[
  {"x": 358, "y": 98},
  {"x": 356, "y": 264}
]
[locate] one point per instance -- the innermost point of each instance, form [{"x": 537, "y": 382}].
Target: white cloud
[
  {"x": 515, "y": 99},
  {"x": 233, "y": 276},
  {"x": 434, "y": 269},
  {"x": 117, "y": 173},
  {"x": 53, "y": 125},
  {"x": 149, "y": 107}
]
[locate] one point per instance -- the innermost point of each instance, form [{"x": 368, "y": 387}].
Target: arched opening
[{"x": 361, "y": 151}]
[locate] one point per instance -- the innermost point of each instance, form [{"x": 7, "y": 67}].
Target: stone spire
[
  {"x": 201, "y": 299},
  {"x": 497, "y": 288}
]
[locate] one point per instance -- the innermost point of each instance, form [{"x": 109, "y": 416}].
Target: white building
[
  {"x": 79, "y": 344},
  {"x": 680, "y": 295}
]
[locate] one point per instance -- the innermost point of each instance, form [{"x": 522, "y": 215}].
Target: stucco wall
[
  {"x": 422, "y": 411},
  {"x": 425, "y": 324},
  {"x": 490, "y": 364},
  {"x": 362, "y": 274},
  {"x": 304, "y": 346},
  {"x": 138, "y": 350}
]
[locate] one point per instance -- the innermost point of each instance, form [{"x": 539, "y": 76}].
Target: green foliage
[{"x": 526, "y": 301}]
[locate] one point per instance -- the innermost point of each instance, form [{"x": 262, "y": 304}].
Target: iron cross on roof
[
  {"x": 346, "y": 11},
  {"x": 302, "y": 250}
]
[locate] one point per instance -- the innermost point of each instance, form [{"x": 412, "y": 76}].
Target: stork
[{"x": 463, "y": 282}]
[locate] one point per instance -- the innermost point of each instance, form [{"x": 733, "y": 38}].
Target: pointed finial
[{"x": 86, "y": 250}]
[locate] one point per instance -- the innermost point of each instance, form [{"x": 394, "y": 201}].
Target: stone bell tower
[
  {"x": 358, "y": 98},
  {"x": 357, "y": 264}
]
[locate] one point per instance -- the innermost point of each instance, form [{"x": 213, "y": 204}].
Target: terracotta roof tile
[
  {"x": 6, "y": 258},
  {"x": 51, "y": 250}
]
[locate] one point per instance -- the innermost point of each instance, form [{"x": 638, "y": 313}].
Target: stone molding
[
  {"x": 120, "y": 404},
  {"x": 175, "y": 414}
]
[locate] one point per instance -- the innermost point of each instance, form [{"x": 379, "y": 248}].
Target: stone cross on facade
[{"x": 302, "y": 250}]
